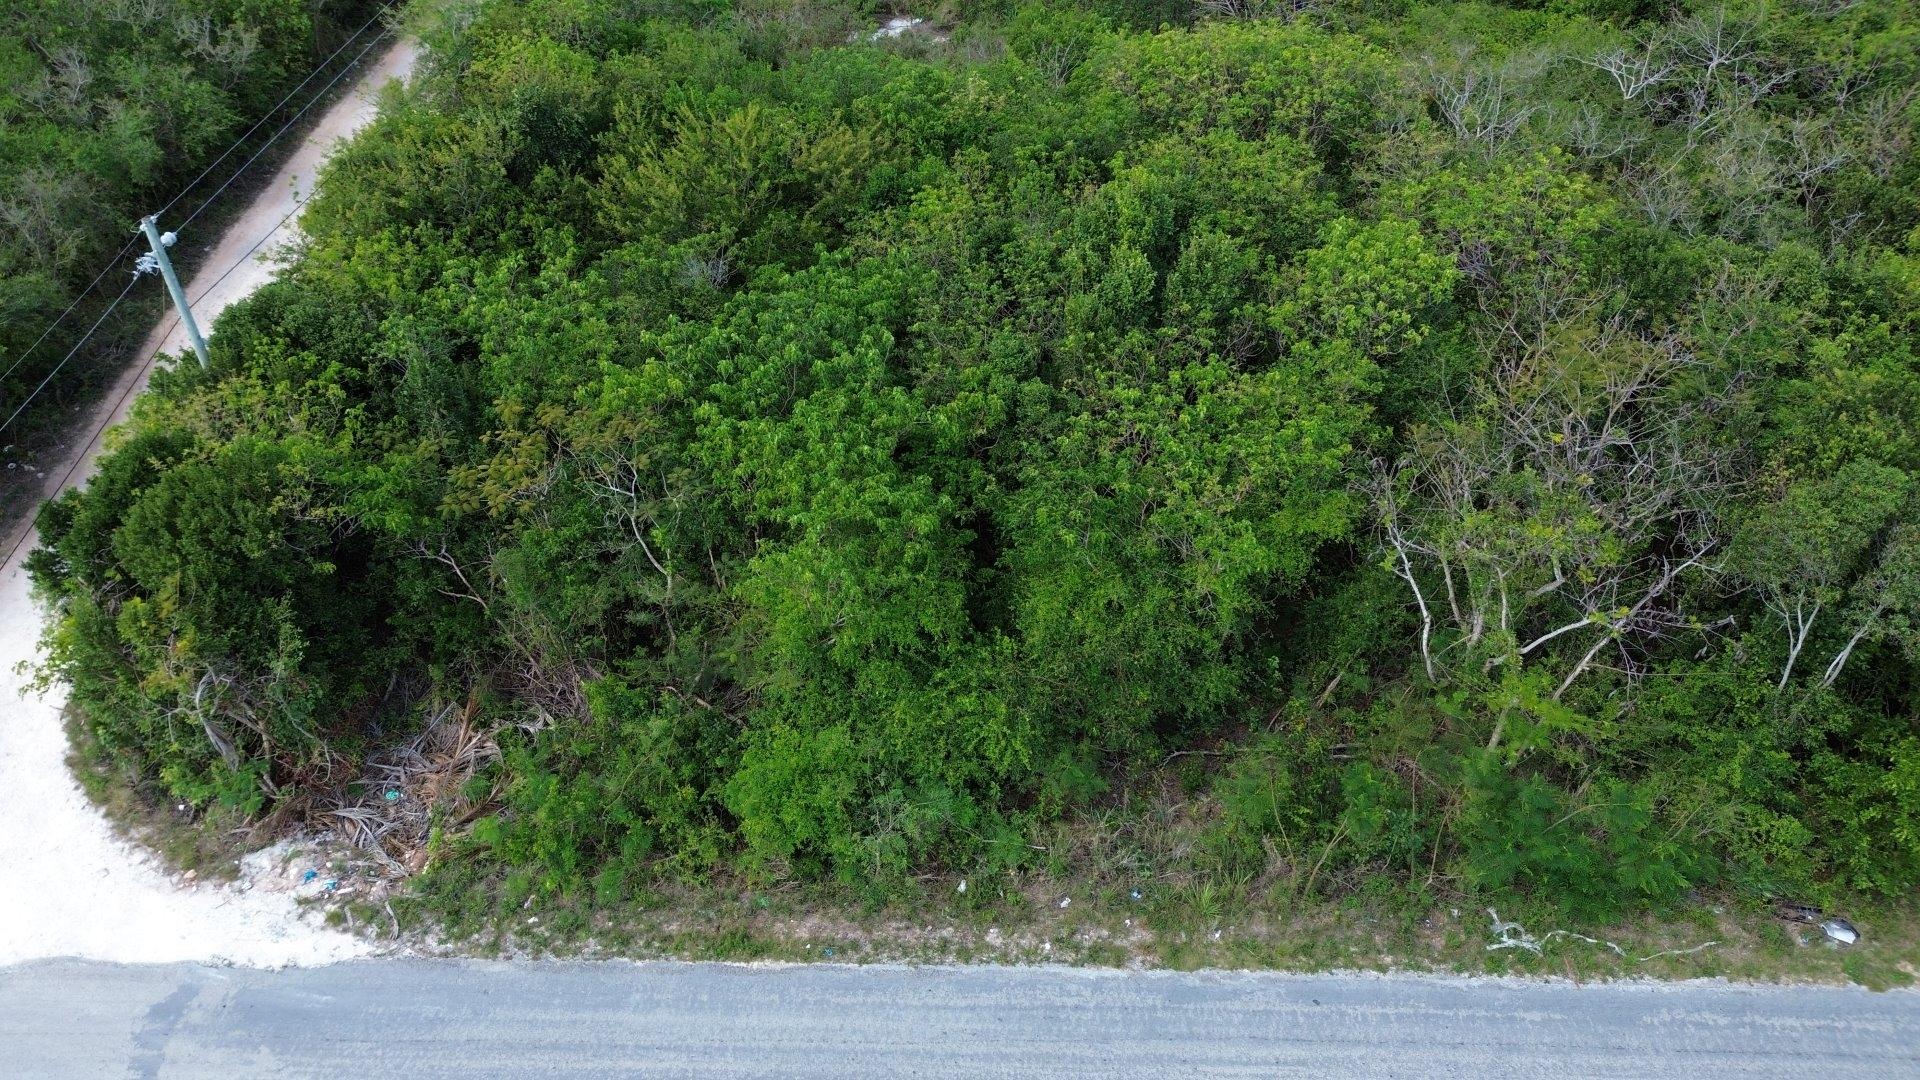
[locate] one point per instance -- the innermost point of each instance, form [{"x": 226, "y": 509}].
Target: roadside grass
[
  {"x": 464, "y": 906},
  {"x": 1135, "y": 896},
  {"x": 730, "y": 919}
]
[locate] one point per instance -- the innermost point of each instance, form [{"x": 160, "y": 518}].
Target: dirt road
[{"x": 68, "y": 886}]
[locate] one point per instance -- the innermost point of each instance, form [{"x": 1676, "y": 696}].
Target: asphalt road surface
[{"x": 412, "y": 1019}]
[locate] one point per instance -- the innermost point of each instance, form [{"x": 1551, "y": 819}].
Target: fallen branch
[
  {"x": 1618, "y": 951},
  {"x": 1192, "y": 753}
]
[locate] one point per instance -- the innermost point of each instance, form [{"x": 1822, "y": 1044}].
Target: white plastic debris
[
  {"x": 895, "y": 27},
  {"x": 1512, "y": 935},
  {"x": 1065, "y": 900},
  {"x": 1840, "y": 931}
]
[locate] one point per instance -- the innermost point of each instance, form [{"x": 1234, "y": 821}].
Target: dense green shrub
[{"x": 844, "y": 456}]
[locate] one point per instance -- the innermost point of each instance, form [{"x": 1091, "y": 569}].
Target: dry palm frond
[{"x": 392, "y": 806}]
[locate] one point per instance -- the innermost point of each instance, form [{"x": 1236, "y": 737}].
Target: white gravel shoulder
[{"x": 69, "y": 887}]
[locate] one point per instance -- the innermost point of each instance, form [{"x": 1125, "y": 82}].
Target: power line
[
  {"x": 106, "y": 421},
  {"x": 282, "y": 130},
  {"x": 276, "y": 108},
  {"x": 78, "y": 458},
  {"x": 191, "y": 184},
  {"x": 106, "y": 417},
  {"x": 204, "y": 293},
  {"x": 81, "y": 295},
  {"x": 70, "y": 352},
  {"x": 209, "y": 200}
]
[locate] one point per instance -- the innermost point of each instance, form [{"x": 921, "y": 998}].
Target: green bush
[
  {"x": 605, "y": 804},
  {"x": 1595, "y": 854},
  {"x": 1279, "y": 797},
  {"x": 851, "y": 457}
]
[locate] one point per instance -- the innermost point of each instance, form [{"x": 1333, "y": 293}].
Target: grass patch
[
  {"x": 1126, "y": 910},
  {"x": 1128, "y": 904}
]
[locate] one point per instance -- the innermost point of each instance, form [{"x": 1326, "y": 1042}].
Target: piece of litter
[
  {"x": 1840, "y": 931},
  {"x": 392, "y": 795},
  {"x": 1793, "y": 912},
  {"x": 1515, "y": 936},
  {"x": 1065, "y": 900},
  {"x": 309, "y": 876},
  {"x": 895, "y": 27},
  {"x": 1136, "y": 894},
  {"x": 963, "y": 886},
  {"x": 332, "y": 884},
  {"x": 1685, "y": 952},
  {"x": 828, "y": 952}
]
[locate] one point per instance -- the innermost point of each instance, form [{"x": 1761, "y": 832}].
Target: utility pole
[{"x": 160, "y": 245}]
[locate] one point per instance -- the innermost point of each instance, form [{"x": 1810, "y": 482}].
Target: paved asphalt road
[{"x": 412, "y": 1019}]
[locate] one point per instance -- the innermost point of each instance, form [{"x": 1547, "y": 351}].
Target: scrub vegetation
[{"x": 1282, "y": 452}]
